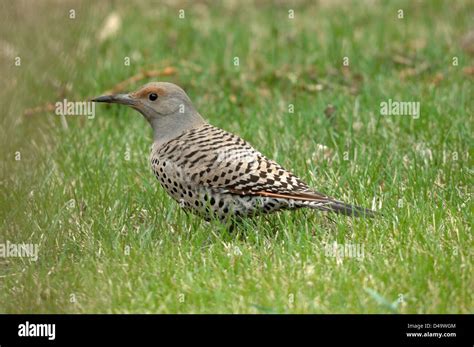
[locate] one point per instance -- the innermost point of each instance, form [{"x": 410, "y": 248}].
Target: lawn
[{"x": 307, "y": 92}]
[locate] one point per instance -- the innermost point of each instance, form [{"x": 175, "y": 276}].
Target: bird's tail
[
  {"x": 315, "y": 200},
  {"x": 340, "y": 207}
]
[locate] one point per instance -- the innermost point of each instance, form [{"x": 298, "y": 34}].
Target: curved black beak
[{"x": 124, "y": 99}]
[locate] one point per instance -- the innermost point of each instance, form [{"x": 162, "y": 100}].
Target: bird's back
[{"x": 213, "y": 172}]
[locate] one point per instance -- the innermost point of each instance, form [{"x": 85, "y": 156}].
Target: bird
[{"x": 213, "y": 173}]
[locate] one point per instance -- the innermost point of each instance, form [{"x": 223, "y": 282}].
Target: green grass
[{"x": 111, "y": 240}]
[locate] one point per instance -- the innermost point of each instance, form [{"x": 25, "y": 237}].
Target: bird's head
[
  {"x": 164, "y": 105},
  {"x": 153, "y": 100}
]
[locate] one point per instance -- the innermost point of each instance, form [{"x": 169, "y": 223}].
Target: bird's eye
[{"x": 153, "y": 96}]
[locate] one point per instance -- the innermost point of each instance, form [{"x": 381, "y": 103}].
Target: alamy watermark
[
  {"x": 75, "y": 108},
  {"x": 235, "y": 156},
  {"x": 19, "y": 250},
  {"x": 400, "y": 108},
  {"x": 28, "y": 329},
  {"x": 344, "y": 250}
]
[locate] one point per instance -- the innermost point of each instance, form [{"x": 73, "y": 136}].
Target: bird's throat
[{"x": 171, "y": 126}]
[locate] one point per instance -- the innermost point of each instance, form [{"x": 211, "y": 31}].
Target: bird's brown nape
[{"x": 144, "y": 92}]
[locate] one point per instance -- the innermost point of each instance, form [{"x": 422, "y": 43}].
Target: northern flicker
[{"x": 211, "y": 172}]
